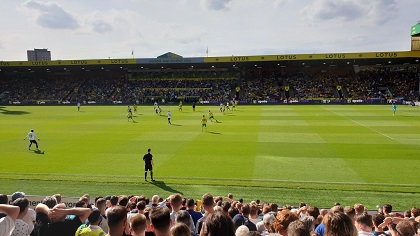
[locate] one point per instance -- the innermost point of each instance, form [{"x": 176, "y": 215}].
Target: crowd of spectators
[
  {"x": 261, "y": 88},
  {"x": 171, "y": 89},
  {"x": 316, "y": 86},
  {"x": 209, "y": 216},
  {"x": 366, "y": 84}
]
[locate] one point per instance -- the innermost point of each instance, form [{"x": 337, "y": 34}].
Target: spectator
[
  {"x": 266, "y": 225},
  {"x": 298, "y": 228},
  {"x": 351, "y": 213},
  {"x": 377, "y": 220},
  {"x": 21, "y": 227},
  {"x": 138, "y": 224},
  {"x": 364, "y": 225},
  {"x": 7, "y": 223},
  {"x": 55, "y": 222},
  {"x": 160, "y": 221},
  {"x": 282, "y": 221},
  {"x": 180, "y": 229},
  {"x": 242, "y": 231},
  {"x": 30, "y": 217},
  {"x": 359, "y": 208},
  {"x": 253, "y": 214},
  {"x": 207, "y": 204},
  {"x": 190, "y": 208},
  {"x": 117, "y": 220},
  {"x": 403, "y": 228},
  {"x": 243, "y": 219},
  {"x": 92, "y": 228},
  {"x": 114, "y": 202},
  {"x": 184, "y": 217},
  {"x": 218, "y": 224},
  {"x": 100, "y": 204},
  {"x": 338, "y": 224},
  {"x": 387, "y": 210}
]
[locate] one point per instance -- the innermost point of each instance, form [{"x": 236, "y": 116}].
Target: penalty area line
[{"x": 356, "y": 122}]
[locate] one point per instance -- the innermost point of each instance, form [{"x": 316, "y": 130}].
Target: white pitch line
[{"x": 367, "y": 127}]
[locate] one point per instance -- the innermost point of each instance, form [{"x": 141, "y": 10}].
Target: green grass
[{"x": 285, "y": 154}]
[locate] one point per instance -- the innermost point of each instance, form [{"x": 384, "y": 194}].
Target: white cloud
[
  {"x": 373, "y": 12},
  {"x": 216, "y": 5},
  {"x": 51, "y": 15}
]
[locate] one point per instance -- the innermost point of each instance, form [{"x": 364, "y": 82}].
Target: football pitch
[{"x": 319, "y": 154}]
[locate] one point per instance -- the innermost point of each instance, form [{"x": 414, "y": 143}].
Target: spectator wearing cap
[
  {"x": 7, "y": 223},
  {"x": 21, "y": 228},
  {"x": 30, "y": 217},
  {"x": 92, "y": 229},
  {"x": 265, "y": 227}
]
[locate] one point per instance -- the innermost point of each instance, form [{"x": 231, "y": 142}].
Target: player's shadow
[
  {"x": 7, "y": 112},
  {"x": 214, "y": 133},
  {"x": 163, "y": 186},
  {"x": 39, "y": 152},
  {"x": 176, "y": 125}
]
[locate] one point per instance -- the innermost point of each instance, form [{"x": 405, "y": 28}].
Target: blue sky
[{"x": 86, "y": 29}]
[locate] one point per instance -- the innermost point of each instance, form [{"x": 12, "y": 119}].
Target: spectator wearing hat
[
  {"x": 92, "y": 228},
  {"x": 21, "y": 228},
  {"x": 30, "y": 217},
  {"x": 7, "y": 223}
]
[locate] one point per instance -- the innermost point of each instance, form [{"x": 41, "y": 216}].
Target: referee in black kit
[{"x": 148, "y": 164}]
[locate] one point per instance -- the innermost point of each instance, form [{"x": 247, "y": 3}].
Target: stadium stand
[
  {"x": 368, "y": 83},
  {"x": 53, "y": 217}
]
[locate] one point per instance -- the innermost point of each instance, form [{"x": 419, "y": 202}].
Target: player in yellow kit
[
  {"x": 203, "y": 123},
  {"x": 211, "y": 117}
]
